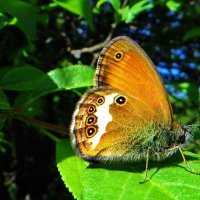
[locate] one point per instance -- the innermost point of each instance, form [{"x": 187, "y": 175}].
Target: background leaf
[
  {"x": 3, "y": 20},
  {"x": 79, "y": 7},
  {"x": 75, "y": 76},
  {"x": 173, "y": 5},
  {"x": 22, "y": 78},
  {"x": 25, "y": 14},
  {"x": 192, "y": 33},
  {"x": 4, "y": 104},
  {"x": 128, "y": 13}
]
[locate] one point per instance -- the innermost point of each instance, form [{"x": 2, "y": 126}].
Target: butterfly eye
[
  {"x": 100, "y": 100},
  {"x": 118, "y": 55},
  {"x": 91, "y": 131},
  {"x": 120, "y": 100},
  {"x": 91, "y": 119},
  {"x": 91, "y": 109},
  {"x": 182, "y": 139}
]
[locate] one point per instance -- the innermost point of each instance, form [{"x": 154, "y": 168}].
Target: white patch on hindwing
[{"x": 103, "y": 118}]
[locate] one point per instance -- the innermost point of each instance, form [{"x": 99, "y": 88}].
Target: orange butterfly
[{"x": 127, "y": 116}]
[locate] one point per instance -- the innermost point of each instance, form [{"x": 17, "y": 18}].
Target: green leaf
[
  {"x": 82, "y": 8},
  {"x": 74, "y": 76},
  {"x": 2, "y": 141},
  {"x": 167, "y": 183},
  {"x": 173, "y": 5},
  {"x": 2, "y": 120},
  {"x": 121, "y": 181},
  {"x": 3, "y": 20},
  {"x": 27, "y": 106},
  {"x": 190, "y": 89},
  {"x": 4, "y": 104},
  {"x": 193, "y": 33},
  {"x": 71, "y": 175},
  {"x": 70, "y": 77},
  {"x": 114, "y": 3},
  {"x": 123, "y": 13},
  {"x": 129, "y": 13},
  {"x": 22, "y": 78},
  {"x": 25, "y": 14},
  {"x": 100, "y": 2},
  {"x": 3, "y": 71}
]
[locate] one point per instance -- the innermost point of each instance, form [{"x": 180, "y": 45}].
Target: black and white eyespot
[
  {"x": 91, "y": 119},
  {"x": 91, "y": 109},
  {"x": 120, "y": 100},
  {"x": 100, "y": 100},
  {"x": 91, "y": 131},
  {"x": 118, "y": 55}
]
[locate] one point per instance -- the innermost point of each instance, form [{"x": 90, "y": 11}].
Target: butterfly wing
[
  {"x": 125, "y": 66},
  {"x": 119, "y": 117},
  {"x": 107, "y": 125}
]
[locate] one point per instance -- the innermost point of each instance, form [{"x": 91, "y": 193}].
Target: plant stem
[{"x": 41, "y": 124}]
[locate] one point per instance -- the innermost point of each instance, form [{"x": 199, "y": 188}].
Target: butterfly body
[{"x": 127, "y": 116}]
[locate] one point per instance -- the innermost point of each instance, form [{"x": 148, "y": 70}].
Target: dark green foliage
[{"x": 46, "y": 65}]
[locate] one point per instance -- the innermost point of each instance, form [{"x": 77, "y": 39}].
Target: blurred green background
[{"x": 43, "y": 40}]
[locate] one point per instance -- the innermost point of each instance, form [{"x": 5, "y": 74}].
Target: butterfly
[{"x": 127, "y": 115}]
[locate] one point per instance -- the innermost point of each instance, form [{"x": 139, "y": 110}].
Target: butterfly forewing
[{"x": 125, "y": 66}]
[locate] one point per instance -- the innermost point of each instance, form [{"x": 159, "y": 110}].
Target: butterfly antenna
[
  {"x": 192, "y": 126},
  {"x": 146, "y": 167}
]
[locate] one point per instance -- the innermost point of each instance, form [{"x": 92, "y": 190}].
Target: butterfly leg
[
  {"x": 146, "y": 167},
  {"x": 185, "y": 161}
]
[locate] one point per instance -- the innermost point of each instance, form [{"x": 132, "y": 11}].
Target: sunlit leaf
[
  {"x": 173, "y": 5},
  {"x": 74, "y": 76},
  {"x": 70, "y": 77},
  {"x": 121, "y": 181},
  {"x": 129, "y": 13},
  {"x": 80, "y": 7},
  {"x": 114, "y": 3},
  {"x": 71, "y": 175}
]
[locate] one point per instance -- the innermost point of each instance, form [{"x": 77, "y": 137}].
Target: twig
[
  {"x": 124, "y": 3},
  {"x": 42, "y": 124},
  {"x": 77, "y": 53}
]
